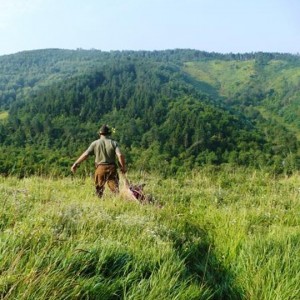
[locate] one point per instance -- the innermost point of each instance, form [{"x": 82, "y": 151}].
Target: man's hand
[
  {"x": 81, "y": 158},
  {"x": 123, "y": 170},
  {"x": 74, "y": 167}
]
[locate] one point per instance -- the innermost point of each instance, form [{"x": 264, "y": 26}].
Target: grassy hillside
[
  {"x": 226, "y": 77},
  {"x": 3, "y": 116},
  {"x": 272, "y": 84},
  {"x": 217, "y": 234},
  {"x": 184, "y": 108}
]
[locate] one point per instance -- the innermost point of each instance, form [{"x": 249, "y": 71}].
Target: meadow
[{"x": 213, "y": 233}]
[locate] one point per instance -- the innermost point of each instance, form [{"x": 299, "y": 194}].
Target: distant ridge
[{"x": 182, "y": 107}]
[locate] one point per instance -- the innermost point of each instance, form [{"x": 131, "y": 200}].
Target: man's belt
[{"x": 104, "y": 164}]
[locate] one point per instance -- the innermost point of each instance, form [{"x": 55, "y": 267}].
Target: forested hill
[{"x": 172, "y": 110}]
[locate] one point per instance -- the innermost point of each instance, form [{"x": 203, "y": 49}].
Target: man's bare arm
[
  {"x": 81, "y": 158},
  {"x": 121, "y": 159}
]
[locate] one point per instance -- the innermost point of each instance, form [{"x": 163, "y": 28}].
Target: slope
[
  {"x": 180, "y": 108},
  {"x": 272, "y": 84},
  {"x": 226, "y": 234}
]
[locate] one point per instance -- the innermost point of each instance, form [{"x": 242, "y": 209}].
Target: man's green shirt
[{"x": 104, "y": 149}]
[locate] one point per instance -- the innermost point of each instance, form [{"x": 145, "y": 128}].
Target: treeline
[
  {"x": 30, "y": 70},
  {"x": 163, "y": 121}
]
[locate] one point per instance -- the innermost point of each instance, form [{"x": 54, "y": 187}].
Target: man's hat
[{"x": 105, "y": 130}]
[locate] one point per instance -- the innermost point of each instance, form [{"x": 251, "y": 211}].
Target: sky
[{"x": 223, "y": 26}]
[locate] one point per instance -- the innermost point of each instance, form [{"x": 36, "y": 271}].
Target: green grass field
[
  {"x": 211, "y": 234},
  {"x": 227, "y": 77},
  {"x": 3, "y": 115}
]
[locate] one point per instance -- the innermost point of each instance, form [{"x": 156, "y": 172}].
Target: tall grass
[{"x": 211, "y": 234}]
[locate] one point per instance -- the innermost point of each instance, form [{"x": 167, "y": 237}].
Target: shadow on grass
[
  {"x": 115, "y": 273},
  {"x": 202, "y": 265},
  {"x": 108, "y": 275}
]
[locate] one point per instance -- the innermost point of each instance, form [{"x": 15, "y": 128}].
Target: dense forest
[{"x": 172, "y": 110}]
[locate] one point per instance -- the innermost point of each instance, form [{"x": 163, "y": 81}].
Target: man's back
[{"x": 104, "y": 150}]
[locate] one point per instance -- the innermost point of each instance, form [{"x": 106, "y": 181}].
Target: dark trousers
[{"x": 106, "y": 174}]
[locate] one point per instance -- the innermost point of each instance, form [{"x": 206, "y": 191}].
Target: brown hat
[{"x": 105, "y": 130}]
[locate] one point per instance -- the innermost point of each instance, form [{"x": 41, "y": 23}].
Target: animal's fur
[{"x": 135, "y": 192}]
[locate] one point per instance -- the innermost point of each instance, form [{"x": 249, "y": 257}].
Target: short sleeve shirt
[{"x": 104, "y": 150}]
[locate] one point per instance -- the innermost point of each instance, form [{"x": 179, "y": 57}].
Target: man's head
[{"x": 104, "y": 130}]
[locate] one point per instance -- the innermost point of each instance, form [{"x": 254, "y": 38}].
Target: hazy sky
[{"x": 210, "y": 25}]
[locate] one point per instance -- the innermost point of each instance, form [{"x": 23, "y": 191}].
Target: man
[{"x": 105, "y": 150}]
